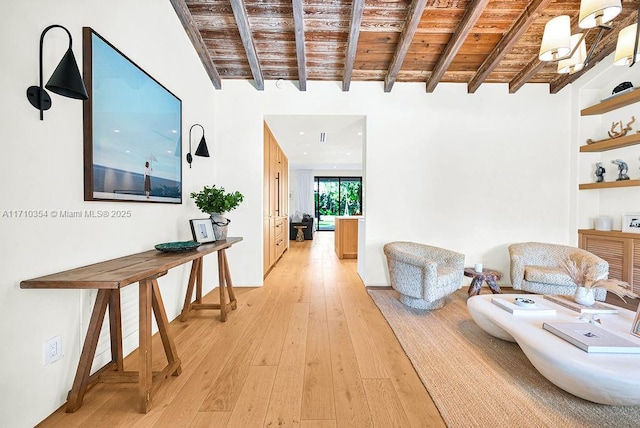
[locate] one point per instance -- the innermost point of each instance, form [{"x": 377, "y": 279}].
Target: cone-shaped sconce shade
[
  {"x": 66, "y": 79},
  {"x": 202, "y": 149},
  {"x": 556, "y": 40},
  {"x": 594, "y": 13}
]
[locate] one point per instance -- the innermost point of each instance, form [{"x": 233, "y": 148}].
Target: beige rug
[{"x": 477, "y": 380}]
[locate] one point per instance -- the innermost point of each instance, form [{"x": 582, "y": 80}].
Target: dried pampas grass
[{"x": 585, "y": 274}]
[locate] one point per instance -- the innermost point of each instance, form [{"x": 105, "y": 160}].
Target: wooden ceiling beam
[
  {"x": 242, "y": 20},
  {"x": 413, "y": 19},
  {"x": 507, "y": 42},
  {"x": 606, "y": 46},
  {"x": 473, "y": 13},
  {"x": 352, "y": 44},
  {"x": 298, "y": 24},
  {"x": 192, "y": 31}
]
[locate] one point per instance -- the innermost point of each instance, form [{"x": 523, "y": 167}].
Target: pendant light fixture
[
  {"x": 576, "y": 62},
  {"x": 593, "y": 14}
]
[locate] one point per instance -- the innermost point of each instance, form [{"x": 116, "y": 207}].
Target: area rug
[{"x": 477, "y": 380}]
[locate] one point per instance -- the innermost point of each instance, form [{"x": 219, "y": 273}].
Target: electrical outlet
[{"x": 52, "y": 350}]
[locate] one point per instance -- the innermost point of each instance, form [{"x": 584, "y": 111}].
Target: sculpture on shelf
[
  {"x": 622, "y": 169},
  {"x": 600, "y": 172},
  {"x": 623, "y": 130}
]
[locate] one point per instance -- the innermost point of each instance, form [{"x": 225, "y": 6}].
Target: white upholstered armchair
[
  {"x": 423, "y": 275},
  {"x": 536, "y": 267}
]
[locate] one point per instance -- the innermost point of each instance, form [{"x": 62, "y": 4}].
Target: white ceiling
[{"x": 299, "y": 138}]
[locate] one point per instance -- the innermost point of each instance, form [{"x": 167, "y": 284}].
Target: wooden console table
[{"x": 108, "y": 278}]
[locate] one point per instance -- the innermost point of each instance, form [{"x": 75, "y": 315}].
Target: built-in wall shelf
[
  {"x": 612, "y": 143},
  {"x": 612, "y": 103},
  {"x": 609, "y": 184}
]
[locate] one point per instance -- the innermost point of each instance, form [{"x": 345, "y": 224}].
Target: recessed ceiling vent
[{"x": 323, "y": 137}]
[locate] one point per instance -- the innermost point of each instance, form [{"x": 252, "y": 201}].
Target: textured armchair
[
  {"x": 423, "y": 275},
  {"x": 536, "y": 267}
]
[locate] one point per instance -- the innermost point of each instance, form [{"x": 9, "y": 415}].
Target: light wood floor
[{"x": 310, "y": 348}]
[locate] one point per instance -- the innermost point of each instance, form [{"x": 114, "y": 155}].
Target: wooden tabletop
[
  {"x": 120, "y": 272},
  {"x": 486, "y": 273}
]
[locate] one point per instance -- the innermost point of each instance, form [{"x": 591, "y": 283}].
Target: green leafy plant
[{"x": 212, "y": 199}]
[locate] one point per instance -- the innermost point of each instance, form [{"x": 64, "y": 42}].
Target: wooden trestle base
[{"x": 108, "y": 278}]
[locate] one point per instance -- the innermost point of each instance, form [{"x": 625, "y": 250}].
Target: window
[{"x": 336, "y": 196}]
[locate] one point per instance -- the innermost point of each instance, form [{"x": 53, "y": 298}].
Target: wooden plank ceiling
[{"x": 431, "y": 41}]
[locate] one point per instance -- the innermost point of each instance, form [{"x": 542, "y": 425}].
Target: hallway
[{"x": 310, "y": 348}]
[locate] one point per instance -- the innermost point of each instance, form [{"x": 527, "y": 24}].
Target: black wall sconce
[
  {"x": 65, "y": 80},
  {"x": 202, "y": 149}
]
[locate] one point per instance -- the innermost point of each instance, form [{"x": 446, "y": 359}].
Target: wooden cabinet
[
  {"x": 275, "y": 213},
  {"x": 611, "y": 143},
  {"x": 621, "y": 250},
  {"x": 346, "y": 237}
]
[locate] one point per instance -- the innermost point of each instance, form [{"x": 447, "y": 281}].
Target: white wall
[
  {"x": 42, "y": 170},
  {"x": 468, "y": 172},
  {"x": 473, "y": 173}
]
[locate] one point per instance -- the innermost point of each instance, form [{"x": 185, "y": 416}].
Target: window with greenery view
[{"x": 336, "y": 196}]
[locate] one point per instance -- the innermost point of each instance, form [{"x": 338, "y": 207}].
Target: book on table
[
  {"x": 569, "y": 303},
  {"x": 591, "y": 338},
  {"x": 509, "y": 306}
]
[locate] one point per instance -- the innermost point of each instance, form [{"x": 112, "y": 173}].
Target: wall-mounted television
[{"x": 132, "y": 129}]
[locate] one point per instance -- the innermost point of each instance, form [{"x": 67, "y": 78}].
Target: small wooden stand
[
  {"x": 489, "y": 276},
  {"x": 300, "y": 234}
]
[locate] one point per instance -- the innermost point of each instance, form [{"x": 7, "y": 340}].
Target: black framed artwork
[{"x": 132, "y": 129}]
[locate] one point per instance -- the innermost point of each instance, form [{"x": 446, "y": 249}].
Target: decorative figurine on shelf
[
  {"x": 622, "y": 169},
  {"x": 623, "y": 130},
  {"x": 600, "y": 172}
]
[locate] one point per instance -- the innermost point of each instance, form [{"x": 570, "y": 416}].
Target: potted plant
[{"x": 215, "y": 201}]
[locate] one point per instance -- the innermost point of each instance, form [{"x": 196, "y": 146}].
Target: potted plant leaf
[{"x": 215, "y": 201}]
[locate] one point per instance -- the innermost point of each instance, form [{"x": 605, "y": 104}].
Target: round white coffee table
[{"x": 604, "y": 378}]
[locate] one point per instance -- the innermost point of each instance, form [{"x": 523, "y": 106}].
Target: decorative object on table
[
  {"x": 177, "y": 247},
  {"x": 591, "y": 338},
  {"x": 202, "y": 230},
  {"x": 516, "y": 307},
  {"x": 569, "y": 303},
  {"x": 65, "y": 80},
  {"x": 600, "y": 172},
  {"x": 132, "y": 130},
  {"x": 622, "y": 87},
  {"x": 202, "y": 149},
  {"x": 631, "y": 223},
  {"x": 623, "y": 130},
  {"x": 216, "y": 202},
  {"x": 478, "y": 267},
  {"x": 586, "y": 276},
  {"x": 603, "y": 222},
  {"x": 622, "y": 169}
]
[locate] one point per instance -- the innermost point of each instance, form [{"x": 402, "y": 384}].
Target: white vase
[
  {"x": 584, "y": 296},
  {"x": 220, "y": 225}
]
